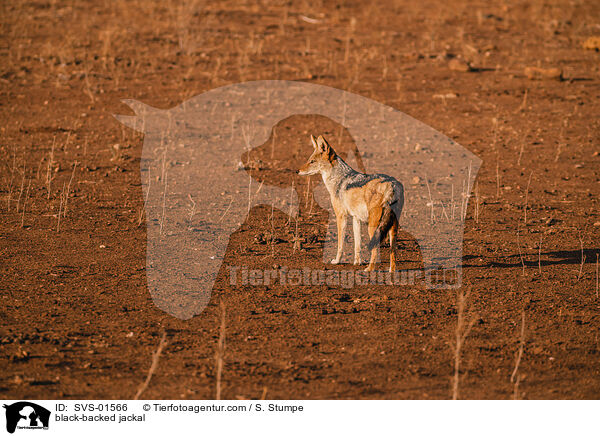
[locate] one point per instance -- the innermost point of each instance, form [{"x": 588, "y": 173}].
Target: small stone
[
  {"x": 536, "y": 73},
  {"x": 447, "y": 96},
  {"x": 459, "y": 65},
  {"x": 592, "y": 43}
]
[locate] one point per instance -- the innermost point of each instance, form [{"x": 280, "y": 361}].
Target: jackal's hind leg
[
  {"x": 393, "y": 233},
  {"x": 374, "y": 217}
]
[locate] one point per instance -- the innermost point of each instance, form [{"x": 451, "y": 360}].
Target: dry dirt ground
[{"x": 76, "y": 317}]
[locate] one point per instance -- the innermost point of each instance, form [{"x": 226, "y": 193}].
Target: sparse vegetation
[
  {"x": 153, "y": 366},
  {"x": 73, "y": 224}
]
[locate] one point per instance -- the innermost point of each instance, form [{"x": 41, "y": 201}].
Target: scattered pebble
[
  {"x": 536, "y": 73},
  {"x": 592, "y": 43},
  {"x": 309, "y": 20},
  {"x": 447, "y": 96},
  {"x": 459, "y": 65}
]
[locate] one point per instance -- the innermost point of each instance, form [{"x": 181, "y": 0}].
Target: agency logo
[
  {"x": 198, "y": 190},
  {"x": 26, "y": 415}
]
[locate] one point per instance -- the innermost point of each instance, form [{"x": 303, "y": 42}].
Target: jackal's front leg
[
  {"x": 356, "y": 228},
  {"x": 341, "y": 228}
]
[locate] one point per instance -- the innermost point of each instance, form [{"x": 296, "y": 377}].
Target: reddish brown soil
[{"x": 76, "y": 318}]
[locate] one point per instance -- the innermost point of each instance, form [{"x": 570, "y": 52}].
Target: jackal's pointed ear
[
  {"x": 323, "y": 144},
  {"x": 313, "y": 141}
]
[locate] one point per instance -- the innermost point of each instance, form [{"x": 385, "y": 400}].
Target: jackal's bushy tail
[{"x": 385, "y": 224}]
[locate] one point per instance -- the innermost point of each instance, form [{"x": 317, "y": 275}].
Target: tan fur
[
  {"x": 393, "y": 234},
  {"x": 374, "y": 217}
]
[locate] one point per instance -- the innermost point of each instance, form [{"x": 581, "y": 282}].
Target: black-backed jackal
[{"x": 374, "y": 198}]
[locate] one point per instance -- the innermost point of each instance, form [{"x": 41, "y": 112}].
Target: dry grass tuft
[
  {"x": 161, "y": 346},
  {"x": 220, "y": 353},
  {"x": 463, "y": 328},
  {"x": 515, "y": 377}
]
